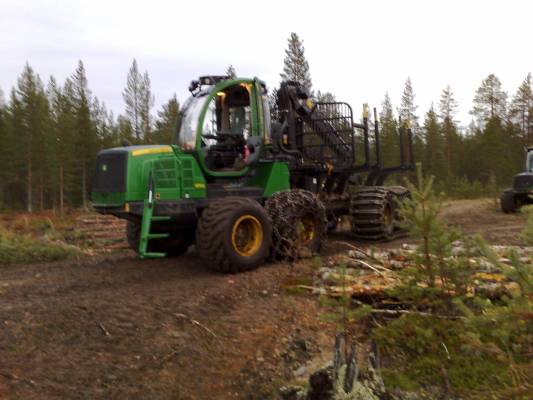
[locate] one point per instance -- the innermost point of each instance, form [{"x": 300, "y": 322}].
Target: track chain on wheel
[
  {"x": 299, "y": 224},
  {"x": 374, "y": 212}
]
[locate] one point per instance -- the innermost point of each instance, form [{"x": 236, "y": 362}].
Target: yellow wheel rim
[
  {"x": 247, "y": 235},
  {"x": 305, "y": 229}
]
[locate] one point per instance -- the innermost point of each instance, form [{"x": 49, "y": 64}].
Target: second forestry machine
[{"x": 245, "y": 183}]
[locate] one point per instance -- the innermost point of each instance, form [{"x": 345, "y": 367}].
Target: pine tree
[
  {"x": 409, "y": 119},
  {"x": 230, "y": 72},
  {"x": 521, "y": 111},
  {"x": 408, "y": 108},
  {"x": 44, "y": 148},
  {"x": 447, "y": 104},
  {"x": 125, "y": 130},
  {"x": 295, "y": 65},
  {"x": 3, "y": 140},
  {"x": 33, "y": 113},
  {"x": 85, "y": 132},
  {"x": 434, "y": 160},
  {"x": 499, "y": 153},
  {"x": 490, "y": 100},
  {"x": 448, "y": 108},
  {"x": 106, "y": 131},
  {"x": 14, "y": 176},
  {"x": 390, "y": 147},
  {"x": 326, "y": 97},
  {"x": 168, "y": 120},
  {"x": 273, "y": 101},
  {"x": 26, "y": 92},
  {"x": 146, "y": 104},
  {"x": 133, "y": 99},
  {"x": 63, "y": 133}
]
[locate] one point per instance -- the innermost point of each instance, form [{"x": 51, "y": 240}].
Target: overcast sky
[{"x": 357, "y": 50}]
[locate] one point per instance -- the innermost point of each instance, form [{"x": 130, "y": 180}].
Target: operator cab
[
  {"x": 217, "y": 125},
  {"x": 226, "y": 128}
]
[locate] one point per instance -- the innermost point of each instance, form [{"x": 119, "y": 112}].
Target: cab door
[{"x": 230, "y": 121}]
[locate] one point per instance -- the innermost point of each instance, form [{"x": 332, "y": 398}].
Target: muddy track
[
  {"x": 146, "y": 329},
  {"x": 115, "y": 327}
]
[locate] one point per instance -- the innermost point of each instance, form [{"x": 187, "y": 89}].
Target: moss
[
  {"x": 394, "y": 378},
  {"x": 430, "y": 351}
]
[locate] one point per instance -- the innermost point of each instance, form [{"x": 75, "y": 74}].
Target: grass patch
[{"x": 19, "y": 248}]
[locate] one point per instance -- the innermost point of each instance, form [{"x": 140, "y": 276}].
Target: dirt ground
[
  {"x": 115, "y": 327},
  {"x": 484, "y": 217}
]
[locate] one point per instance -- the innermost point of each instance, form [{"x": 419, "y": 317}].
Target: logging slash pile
[
  {"x": 450, "y": 317},
  {"x": 372, "y": 274}
]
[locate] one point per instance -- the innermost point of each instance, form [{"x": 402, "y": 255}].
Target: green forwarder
[{"x": 244, "y": 182}]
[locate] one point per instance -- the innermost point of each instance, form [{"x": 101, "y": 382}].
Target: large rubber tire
[
  {"x": 374, "y": 212},
  {"x": 217, "y": 236},
  {"x": 299, "y": 224},
  {"x": 176, "y": 245},
  {"x": 508, "y": 201}
]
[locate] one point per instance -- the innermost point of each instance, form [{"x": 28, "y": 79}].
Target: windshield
[
  {"x": 190, "y": 114},
  {"x": 529, "y": 162}
]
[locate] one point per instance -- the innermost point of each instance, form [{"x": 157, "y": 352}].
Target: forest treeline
[{"x": 51, "y": 132}]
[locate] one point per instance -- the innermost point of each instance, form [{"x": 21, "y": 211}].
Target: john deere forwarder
[{"x": 244, "y": 182}]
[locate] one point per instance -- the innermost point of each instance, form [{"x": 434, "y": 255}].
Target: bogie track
[{"x": 374, "y": 212}]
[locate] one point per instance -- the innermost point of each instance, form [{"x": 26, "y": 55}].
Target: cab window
[{"x": 226, "y": 127}]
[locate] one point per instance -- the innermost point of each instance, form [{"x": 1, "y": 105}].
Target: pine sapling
[{"x": 527, "y": 233}]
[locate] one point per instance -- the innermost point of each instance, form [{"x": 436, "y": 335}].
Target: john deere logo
[{"x": 104, "y": 167}]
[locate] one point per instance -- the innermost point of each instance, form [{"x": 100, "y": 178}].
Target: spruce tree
[
  {"x": 295, "y": 65},
  {"x": 133, "y": 99},
  {"x": 490, "y": 100},
  {"x": 167, "y": 121},
  {"x": 521, "y": 111}
]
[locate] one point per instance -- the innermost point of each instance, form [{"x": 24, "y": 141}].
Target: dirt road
[{"x": 117, "y": 328}]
